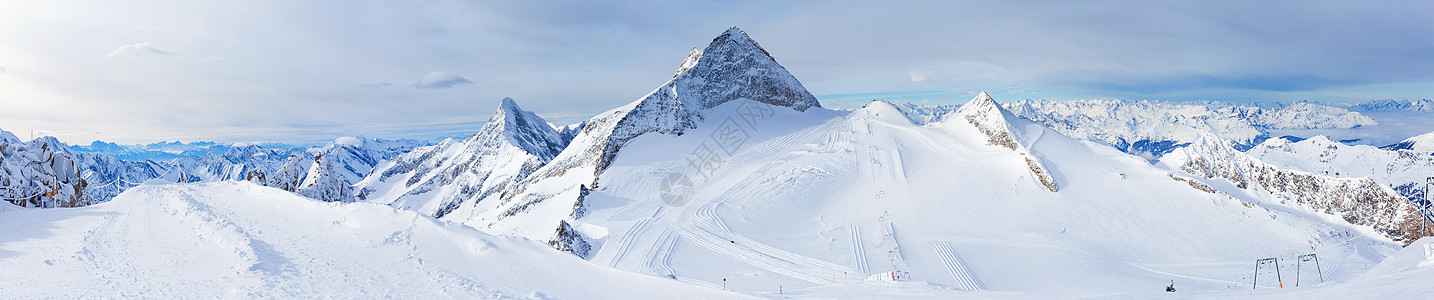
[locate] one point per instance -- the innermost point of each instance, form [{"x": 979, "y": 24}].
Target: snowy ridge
[
  {"x": 1358, "y": 201},
  {"x": 1421, "y": 105},
  {"x": 1420, "y": 144}
]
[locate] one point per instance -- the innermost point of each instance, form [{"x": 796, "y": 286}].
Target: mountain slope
[{"x": 823, "y": 199}]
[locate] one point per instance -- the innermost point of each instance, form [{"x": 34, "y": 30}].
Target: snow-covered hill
[{"x": 241, "y": 240}]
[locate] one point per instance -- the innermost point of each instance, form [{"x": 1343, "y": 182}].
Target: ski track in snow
[
  {"x": 624, "y": 244},
  {"x": 858, "y": 251},
  {"x": 757, "y": 259},
  {"x": 712, "y": 231},
  {"x": 659, "y": 258},
  {"x": 964, "y": 279}
]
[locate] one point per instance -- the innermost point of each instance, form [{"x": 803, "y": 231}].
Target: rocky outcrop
[
  {"x": 41, "y": 173},
  {"x": 570, "y": 240},
  {"x": 1359, "y": 201}
]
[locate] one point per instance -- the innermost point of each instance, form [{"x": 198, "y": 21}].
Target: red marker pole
[{"x": 724, "y": 284}]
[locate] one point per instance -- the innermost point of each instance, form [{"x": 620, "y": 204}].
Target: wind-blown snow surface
[{"x": 241, "y": 240}]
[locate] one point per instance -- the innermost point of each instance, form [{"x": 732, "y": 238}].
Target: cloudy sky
[{"x": 142, "y": 71}]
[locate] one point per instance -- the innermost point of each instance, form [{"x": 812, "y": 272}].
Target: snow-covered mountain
[
  {"x": 731, "y": 69},
  {"x": 41, "y": 173},
  {"x": 1152, "y": 128},
  {"x": 922, "y": 114},
  {"x": 329, "y": 173},
  {"x": 1404, "y": 167},
  {"x": 1359, "y": 201},
  {"x": 1421, "y": 105},
  {"x": 1423, "y": 143},
  {"x": 162, "y": 151},
  {"x": 454, "y": 180}
]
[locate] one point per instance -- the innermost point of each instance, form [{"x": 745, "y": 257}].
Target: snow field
[{"x": 239, "y": 240}]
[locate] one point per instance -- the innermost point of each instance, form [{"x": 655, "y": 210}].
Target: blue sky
[{"x": 308, "y": 71}]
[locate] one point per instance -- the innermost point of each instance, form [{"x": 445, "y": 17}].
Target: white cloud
[
  {"x": 137, "y": 50},
  {"x": 921, "y": 75},
  {"x": 440, "y": 80}
]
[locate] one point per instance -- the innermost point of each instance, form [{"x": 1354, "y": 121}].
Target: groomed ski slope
[
  {"x": 240, "y": 240},
  {"x": 814, "y": 202}
]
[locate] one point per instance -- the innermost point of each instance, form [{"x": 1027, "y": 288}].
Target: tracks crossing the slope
[
  {"x": 780, "y": 262},
  {"x": 624, "y": 243},
  {"x": 659, "y": 258},
  {"x": 964, "y": 278}
]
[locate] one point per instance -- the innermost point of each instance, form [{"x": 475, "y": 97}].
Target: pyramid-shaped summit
[
  {"x": 991, "y": 119},
  {"x": 734, "y": 67},
  {"x": 998, "y": 125},
  {"x": 522, "y": 129}
]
